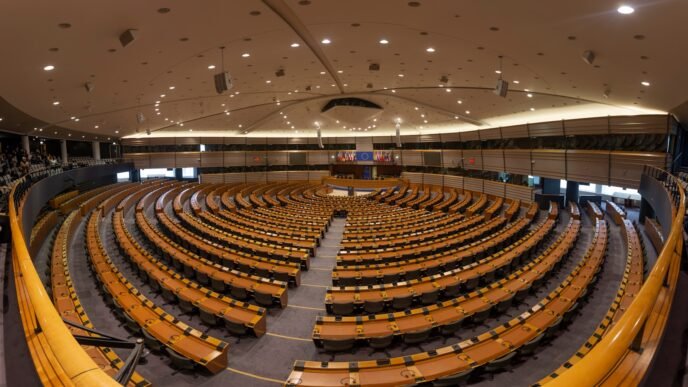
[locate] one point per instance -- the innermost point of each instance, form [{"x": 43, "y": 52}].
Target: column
[
  {"x": 572, "y": 191},
  {"x": 25, "y": 145},
  {"x": 63, "y": 151},
  {"x": 95, "y": 146},
  {"x": 551, "y": 186}
]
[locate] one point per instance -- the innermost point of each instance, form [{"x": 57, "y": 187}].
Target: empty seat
[
  {"x": 131, "y": 324},
  {"x": 380, "y": 343},
  {"x": 401, "y": 303},
  {"x": 471, "y": 283},
  {"x": 168, "y": 295},
  {"x": 235, "y": 328},
  {"x": 457, "y": 379},
  {"x": 179, "y": 361},
  {"x": 449, "y": 330},
  {"x": 430, "y": 297},
  {"x": 333, "y": 346},
  {"x": 480, "y": 316},
  {"x": 207, "y": 317},
  {"x": 342, "y": 308},
  {"x": 451, "y": 291},
  {"x": 503, "y": 306},
  {"x": 151, "y": 342},
  {"x": 239, "y": 293},
  {"x": 187, "y": 306},
  {"x": 501, "y": 364},
  {"x": 529, "y": 348},
  {"x": 217, "y": 285},
  {"x": 417, "y": 337},
  {"x": 373, "y": 306},
  {"x": 264, "y": 299}
]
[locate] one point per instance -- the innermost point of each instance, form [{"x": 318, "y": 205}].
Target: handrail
[
  {"x": 74, "y": 361},
  {"x": 626, "y": 334}
]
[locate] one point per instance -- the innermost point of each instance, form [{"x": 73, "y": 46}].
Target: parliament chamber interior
[{"x": 343, "y": 193}]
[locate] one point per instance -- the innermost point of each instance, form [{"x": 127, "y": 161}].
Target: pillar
[
  {"x": 572, "y": 191},
  {"x": 25, "y": 145},
  {"x": 95, "y": 146},
  {"x": 551, "y": 186},
  {"x": 63, "y": 151}
]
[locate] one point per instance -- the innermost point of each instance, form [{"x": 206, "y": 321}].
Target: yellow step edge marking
[
  {"x": 254, "y": 375},
  {"x": 304, "y": 307},
  {"x": 314, "y": 286},
  {"x": 287, "y": 337}
]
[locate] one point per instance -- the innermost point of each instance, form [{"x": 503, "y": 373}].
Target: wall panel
[
  {"x": 276, "y": 176},
  {"x": 471, "y": 135},
  {"x": 516, "y": 131},
  {"x": 494, "y": 188},
  {"x": 278, "y": 158},
  {"x": 626, "y": 167},
  {"x": 211, "y": 159},
  {"x": 549, "y": 163},
  {"x": 517, "y": 161},
  {"x": 451, "y": 158},
  {"x": 472, "y": 159},
  {"x": 523, "y": 193},
  {"x": 318, "y": 158},
  {"x": 163, "y": 160},
  {"x": 432, "y": 178},
  {"x": 454, "y": 182},
  {"x": 256, "y": 177},
  {"x": 472, "y": 184},
  {"x": 638, "y": 124},
  {"x": 587, "y": 166},
  {"x": 586, "y": 126},
  {"x": 140, "y": 160},
  {"x": 412, "y": 157},
  {"x": 412, "y": 177},
  {"x": 491, "y": 134},
  {"x": 188, "y": 159},
  {"x": 234, "y": 159},
  {"x": 544, "y": 129},
  {"x": 493, "y": 160}
]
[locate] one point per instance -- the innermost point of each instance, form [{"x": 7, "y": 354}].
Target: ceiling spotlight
[
  {"x": 468, "y": 112},
  {"x": 384, "y": 41},
  {"x": 516, "y": 82},
  {"x": 245, "y": 55},
  {"x": 459, "y": 102},
  {"x": 532, "y": 109},
  {"x": 171, "y": 87},
  {"x": 326, "y": 41},
  {"x": 430, "y": 49},
  {"x": 295, "y": 45},
  {"x": 322, "y": 73},
  {"x": 448, "y": 90},
  {"x": 588, "y": 57},
  {"x": 625, "y": 10},
  {"x": 645, "y": 83},
  {"x": 268, "y": 81},
  {"x": 400, "y": 75},
  {"x": 96, "y": 127},
  {"x": 529, "y": 95},
  {"x": 340, "y": 71},
  {"x": 116, "y": 131},
  {"x": 162, "y": 95},
  {"x": 498, "y": 71},
  {"x": 49, "y": 68},
  {"x": 55, "y": 103},
  {"x": 211, "y": 67}
]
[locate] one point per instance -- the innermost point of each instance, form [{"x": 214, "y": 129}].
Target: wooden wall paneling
[
  {"x": 516, "y": 131},
  {"x": 412, "y": 157},
  {"x": 318, "y": 158},
  {"x": 454, "y": 182},
  {"x": 493, "y": 160},
  {"x": 255, "y": 158},
  {"x": 211, "y": 159},
  {"x": 134, "y": 141},
  {"x": 451, "y": 158},
  {"x": 433, "y": 179},
  {"x": 450, "y": 137},
  {"x": 639, "y": 124},
  {"x": 517, "y": 161},
  {"x": 412, "y": 177},
  {"x": 234, "y": 159},
  {"x": 626, "y": 167},
  {"x": 256, "y": 140},
  {"x": 494, "y": 188},
  {"x": 187, "y": 141},
  {"x": 523, "y": 193},
  {"x": 297, "y": 175},
  {"x": 587, "y": 126},
  {"x": 256, "y": 177},
  {"x": 162, "y": 160},
  {"x": 545, "y": 129},
  {"x": 187, "y": 159},
  {"x": 140, "y": 160},
  {"x": 278, "y": 158},
  {"x": 316, "y": 176},
  {"x": 235, "y": 140},
  {"x": 276, "y": 176},
  {"x": 549, "y": 163},
  {"x": 587, "y": 166},
  {"x": 472, "y": 159},
  {"x": 471, "y": 184},
  {"x": 212, "y": 140},
  {"x": 231, "y": 178},
  {"x": 490, "y": 134},
  {"x": 429, "y": 138},
  {"x": 471, "y": 135},
  {"x": 411, "y": 138}
]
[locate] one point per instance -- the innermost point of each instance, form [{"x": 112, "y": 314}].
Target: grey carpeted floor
[{"x": 270, "y": 358}]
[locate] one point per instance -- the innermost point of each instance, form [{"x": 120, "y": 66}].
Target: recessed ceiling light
[
  {"x": 498, "y": 71},
  {"x": 245, "y": 55},
  {"x": 1, "y": 119},
  {"x": 532, "y": 109},
  {"x": 384, "y": 41},
  {"x": 96, "y": 127},
  {"x": 340, "y": 71},
  {"x": 49, "y": 68},
  {"x": 268, "y": 81},
  {"x": 416, "y": 107},
  {"x": 448, "y": 90},
  {"x": 430, "y": 49},
  {"x": 295, "y": 45},
  {"x": 517, "y": 82},
  {"x": 645, "y": 83},
  {"x": 468, "y": 112},
  {"x": 211, "y": 67},
  {"x": 326, "y": 41},
  {"x": 459, "y": 102},
  {"x": 162, "y": 95},
  {"x": 116, "y": 131},
  {"x": 625, "y": 10},
  {"x": 400, "y": 75},
  {"x": 55, "y": 103},
  {"x": 171, "y": 87},
  {"x": 529, "y": 95}
]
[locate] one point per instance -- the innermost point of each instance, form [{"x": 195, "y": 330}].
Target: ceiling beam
[{"x": 282, "y": 10}]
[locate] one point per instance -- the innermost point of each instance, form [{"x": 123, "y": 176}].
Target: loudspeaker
[
  {"x": 374, "y": 67},
  {"x": 501, "y": 88},
  {"x": 88, "y": 86},
  {"x": 223, "y": 82},
  {"x": 320, "y": 143},
  {"x": 127, "y": 37},
  {"x": 588, "y": 57},
  {"x": 279, "y": 73},
  {"x": 140, "y": 117},
  {"x": 398, "y": 137}
]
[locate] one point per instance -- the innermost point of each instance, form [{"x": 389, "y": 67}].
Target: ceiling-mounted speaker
[
  {"x": 127, "y": 37},
  {"x": 279, "y": 73},
  {"x": 588, "y": 57},
  {"x": 308, "y": 88},
  {"x": 223, "y": 82},
  {"x": 320, "y": 143},
  {"x": 148, "y": 132},
  {"x": 369, "y": 85},
  {"x": 502, "y": 88},
  {"x": 140, "y": 117},
  {"x": 88, "y": 86},
  {"x": 398, "y": 137},
  {"x": 374, "y": 67},
  {"x": 444, "y": 79}
]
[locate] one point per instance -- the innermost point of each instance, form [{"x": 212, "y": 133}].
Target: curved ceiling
[{"x": 437, "y": 64}]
